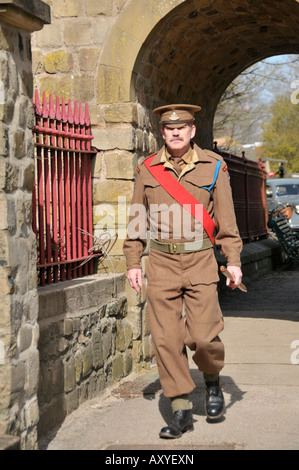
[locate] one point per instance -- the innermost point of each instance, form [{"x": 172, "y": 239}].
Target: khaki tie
[{"x": 176, "y": 165}]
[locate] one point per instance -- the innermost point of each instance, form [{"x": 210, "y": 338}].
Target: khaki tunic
[
  {"x": 189, "y": 279},
  {"x": 198, "y": 173}
]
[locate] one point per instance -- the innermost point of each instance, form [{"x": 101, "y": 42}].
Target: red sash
[{"x": 181, "y": 195}]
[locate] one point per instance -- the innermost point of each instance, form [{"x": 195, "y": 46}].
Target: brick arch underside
[{"x": 196, "y": 50}]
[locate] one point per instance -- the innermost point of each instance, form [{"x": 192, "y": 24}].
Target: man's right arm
[{"x": 135, "y": 243}]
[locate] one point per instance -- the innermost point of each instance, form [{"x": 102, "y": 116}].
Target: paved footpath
[{"x": 260, "y": 383}]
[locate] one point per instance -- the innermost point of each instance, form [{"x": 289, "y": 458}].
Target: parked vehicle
[{"x": 285, "y": 192}]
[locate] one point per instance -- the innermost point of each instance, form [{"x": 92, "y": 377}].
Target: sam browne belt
[{"x": 181, "y": 247}]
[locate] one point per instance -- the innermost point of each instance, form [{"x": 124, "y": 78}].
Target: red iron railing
[{"x": 62, "y": 196}]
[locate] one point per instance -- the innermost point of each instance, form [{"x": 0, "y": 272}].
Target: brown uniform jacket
[{"x": 196, "y": 174}]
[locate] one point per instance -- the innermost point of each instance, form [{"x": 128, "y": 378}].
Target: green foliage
[{"x": 280, "y": 132}]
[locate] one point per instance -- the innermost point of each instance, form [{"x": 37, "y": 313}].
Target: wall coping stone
[
  {"x": 29, "y": 15},
  {"x": 72, "y": 298}
]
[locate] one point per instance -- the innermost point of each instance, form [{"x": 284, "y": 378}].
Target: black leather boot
[
  {"x": 182, "y": 422},
  {"x": 214, "y": 400}
]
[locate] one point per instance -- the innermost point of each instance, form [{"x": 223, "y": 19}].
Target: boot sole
[{"x": 169, "y": 436}]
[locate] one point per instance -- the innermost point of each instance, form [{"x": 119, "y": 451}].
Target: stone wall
[
  {"x": 85, "y": 343},
  {"x": 124, "y": 57},
  {"x": 66, "y": 57},
  {"x": 19, "y": 332}
]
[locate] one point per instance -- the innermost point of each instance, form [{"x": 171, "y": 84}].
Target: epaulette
[
  {"x": 213, "y": 154},
  {"x": 217, "y": 157}
]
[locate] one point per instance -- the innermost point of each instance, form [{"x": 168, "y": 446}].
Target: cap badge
[{"x": 174, "y": 116}]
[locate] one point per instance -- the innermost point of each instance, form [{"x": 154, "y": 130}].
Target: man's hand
[
  {"x": 236, "y": 273},
  {"x": 135, "y": 279}
]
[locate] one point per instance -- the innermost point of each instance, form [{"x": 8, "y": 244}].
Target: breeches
[{"x": 171, "y": 281}]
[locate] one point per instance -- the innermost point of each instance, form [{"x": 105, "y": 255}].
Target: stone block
[
  {"x": 71, "y": 35},
  {"x": 12, "y": 178},
  {"x": 69, "y": 375},
  {"x": 3, "y": 141},
  {"x": 113, "y": 85},
  {"x": 114, "y": 137},
  {"x": 120, "y": 112},
  {"x": 5, "y": 307},
  {"x": 97, "y": 349},
  {"x": 117, "y": 367},
  {"x": 134, "y": 317},
  {"x": 87, "y": 360},
  {"x": 71, "y": 401},
  {"x": 128, "y": 362},
  {"x": 117, "y": 249},
  {"x": 58, "y": 61},
  {"x": 101, "y": 26},
  {"x": 120, "y": 164},
  {"x": 112, "y": 218},
  {"x": 83, "y": 88},
  {"x": 137, "y": 352},
  {"x": 31, "y": 413},
  {"x": 6, "y": 283},
  {"x": 24, "y": 338},
  {"x": 88, "y": 58},
  {"x": 96, "y": 165},
  {"x": 67, "y": 8},
  {"x": 108, "y": 191},
  {"x": 18, "y": 376},
  {"x": 106, "y": 341},
  {"x": 28, "y": 178},
  {"x": 123, "y": 51},
  {"x": 98, "y": 7},
  {"x": 78, "y": 366},
  {"x": 58, "y": 373},
  {"x": 50, "y": 36},
  {"x": 147, "y": 16},
  {"x": 120, "y": 337},
  {"x": 117, "y": 308},
  {"x": 57, "y": 85}
]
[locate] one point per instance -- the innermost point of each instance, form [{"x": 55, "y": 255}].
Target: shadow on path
[{"x": 275, "y": 295}]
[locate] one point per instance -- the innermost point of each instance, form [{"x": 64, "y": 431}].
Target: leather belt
[{"x": 181, "y": 247}]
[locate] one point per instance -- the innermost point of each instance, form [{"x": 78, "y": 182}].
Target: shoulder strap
[
  {"x": 209, "y": 188},
  {"x": 181, "y": 195}
]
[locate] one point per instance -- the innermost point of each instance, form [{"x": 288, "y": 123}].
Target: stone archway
[{"x": 190, "y": 51}]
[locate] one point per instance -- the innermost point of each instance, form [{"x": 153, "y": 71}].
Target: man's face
[{"x": 178, "y": 140}]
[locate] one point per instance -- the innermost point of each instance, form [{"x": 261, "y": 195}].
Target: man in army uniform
[{"x": 181, "y": 265}]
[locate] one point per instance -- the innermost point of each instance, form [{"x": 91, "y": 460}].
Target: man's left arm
[{"x": 227, "y": 238}]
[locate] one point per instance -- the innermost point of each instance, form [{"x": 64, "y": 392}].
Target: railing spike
[
  {"x": 63, "y": 110},
  {"x": 87, "y": 118},
  {"x": 45, "y": 111},
  {"x": 81, "y": 114},
  {"x": 76, "y": 114},
  {"x": 70, "y": 116},
  {"x": 58, "y": 111},
  {"x": 51, "y": 107},
  {"x": 37, "y": 107}
]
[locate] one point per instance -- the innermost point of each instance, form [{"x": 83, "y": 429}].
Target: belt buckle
[{"x": 174, "y": 248}]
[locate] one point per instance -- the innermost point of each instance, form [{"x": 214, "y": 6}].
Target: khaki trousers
[{"x": 171, "y": 280}]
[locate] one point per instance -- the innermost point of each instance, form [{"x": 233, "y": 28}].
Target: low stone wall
[{"x": 85, "y": 343}]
